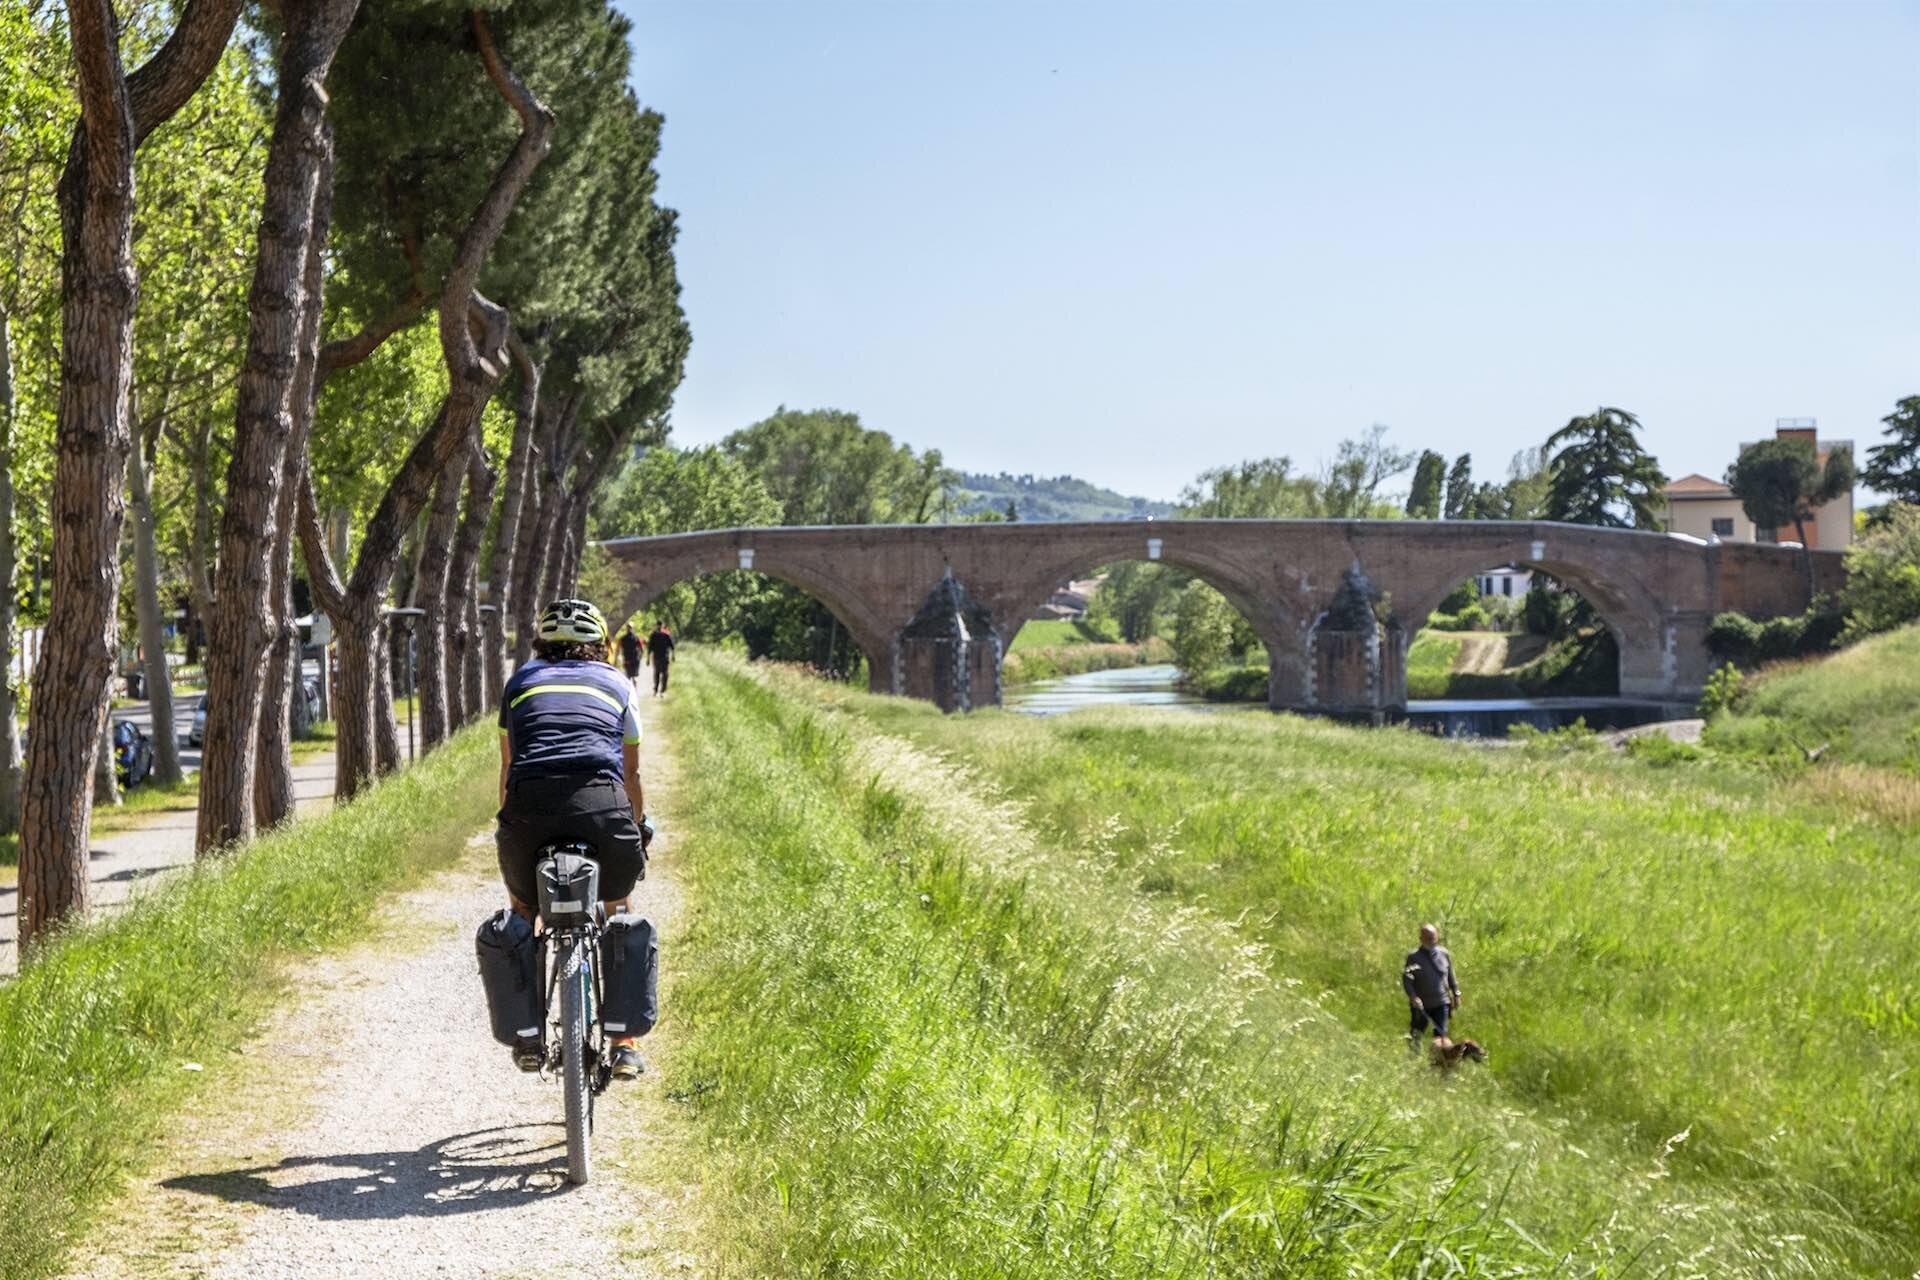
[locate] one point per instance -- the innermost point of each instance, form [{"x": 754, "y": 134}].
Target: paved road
[{"x": 125, "y": 861}]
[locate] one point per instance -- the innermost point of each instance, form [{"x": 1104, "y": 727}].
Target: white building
[{"x": 1507, "y": 580}]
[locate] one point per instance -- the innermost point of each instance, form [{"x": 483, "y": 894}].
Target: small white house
[{"x": 1507, "y": 580}]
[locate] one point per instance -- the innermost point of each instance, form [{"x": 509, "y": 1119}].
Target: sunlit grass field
[
  {"x": 1116, "y": 994},
  {"x": 1860, "y": 704}
]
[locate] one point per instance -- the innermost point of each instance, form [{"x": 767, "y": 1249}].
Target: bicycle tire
[{"x": 573, "y": 1060}]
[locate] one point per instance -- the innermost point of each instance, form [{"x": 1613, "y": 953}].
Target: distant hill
[{"x": 1052, "y": 498}]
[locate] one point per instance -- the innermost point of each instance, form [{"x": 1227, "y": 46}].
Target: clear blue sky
[{"x": 1131, "y": 241}]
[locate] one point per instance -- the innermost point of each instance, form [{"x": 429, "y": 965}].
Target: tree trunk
[
  {"x": 106, "y": 785},
  {"x": 506, "y": 538},
  {"x": 282, "y": 335},
  {"x": 530, "y": 557},
  {"x": 430, "y": 597},
  {"x": 9, "y": 696},
  {"x": 146, "y": 582},
  {"x": 463, "y": 597},
  {"x": 362, "y": 651},
  {"x": 273, "y": 777}
]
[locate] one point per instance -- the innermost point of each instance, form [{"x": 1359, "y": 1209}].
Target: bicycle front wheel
[{"x": 573, "y": 1060}]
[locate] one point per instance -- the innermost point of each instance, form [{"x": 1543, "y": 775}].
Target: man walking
[
  {"x": 630, "y": 652},
  {"x": 660, "y": 651},
  {"x": 1432, "y": 994}
]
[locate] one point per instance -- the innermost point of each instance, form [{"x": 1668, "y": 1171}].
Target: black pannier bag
[
  {"x": 629, "y": 976},
  {"x": 569, "y": 888},
  {"x": 510, "y": 972}
]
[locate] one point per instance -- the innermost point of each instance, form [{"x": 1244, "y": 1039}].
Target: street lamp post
[{"x": 410, "y": 615}]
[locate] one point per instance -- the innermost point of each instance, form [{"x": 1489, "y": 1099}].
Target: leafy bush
[
  {"x": 1473, "y": 617},
  {"x": 1732, "y": 637},
  {"x": 1883, "y": 574},
  {"x": 1458, "y": 598},
  {"x": 1779, "y": 638},
  {"x": 1722, "y": 690}
]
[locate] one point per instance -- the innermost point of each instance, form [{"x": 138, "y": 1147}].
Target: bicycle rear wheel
[{"x": 573, "y": 1060}]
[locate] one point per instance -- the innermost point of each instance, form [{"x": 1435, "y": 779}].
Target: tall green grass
[
  {"x": 94, "y": 1033},
  {"x": 943, "y": 1023},
  {"x": 1651, "y": 950},
  {"x": 1430, "y": 660},
  {"x": 1024, "y": 666},
  {"x": 1860, "y": 704},
  {"x": 1052, "y": 633}
]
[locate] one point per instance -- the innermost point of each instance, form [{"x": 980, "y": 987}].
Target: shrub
[
  {"x": 1779, "y": 638},
  {"x": 1722, "y": 690},
  {"x": 1458, "y": 598},
  {"x": 1883, "y": 575},
  {"x": 1732, "y": 637}
]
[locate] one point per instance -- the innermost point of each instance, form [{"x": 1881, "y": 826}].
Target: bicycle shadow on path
[{"x": 468, "y": 1173}]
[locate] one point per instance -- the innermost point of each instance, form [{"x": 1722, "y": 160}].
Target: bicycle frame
[{"x": 586, "y": 944}]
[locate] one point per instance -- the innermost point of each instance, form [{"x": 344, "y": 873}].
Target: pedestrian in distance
[
  {"x": 630, "y": 647},
  {"x": 1432, "y": 993},
  {"x": 660, "y": 652}
]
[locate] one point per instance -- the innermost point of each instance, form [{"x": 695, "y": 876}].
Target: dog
[{"x": 1448, "y": 1053}]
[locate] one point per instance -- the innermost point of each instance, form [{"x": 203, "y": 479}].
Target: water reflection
[
  {"x": 1450, "y": 718},
  {"x": 1124, "y": 686}
]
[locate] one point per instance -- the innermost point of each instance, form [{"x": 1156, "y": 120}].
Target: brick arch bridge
[{"x": 933, "y": 607}]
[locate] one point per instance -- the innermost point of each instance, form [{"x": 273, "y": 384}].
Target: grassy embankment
[
  {"x": 1047, "y": 650},
  {"x": 1498, "y": 664},
  {"x": 1116, "y": 995},
  {"x": 95, "y": 1034},
  {"x": 1861, "y": 704}
]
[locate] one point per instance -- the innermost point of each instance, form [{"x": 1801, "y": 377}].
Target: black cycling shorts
[{"x": 590, "y": 808}]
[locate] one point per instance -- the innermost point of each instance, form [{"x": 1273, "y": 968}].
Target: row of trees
[{"x": 361, "y": 306}]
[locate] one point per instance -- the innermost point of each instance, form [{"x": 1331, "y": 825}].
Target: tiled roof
[{"x": 1698, "y": 486}]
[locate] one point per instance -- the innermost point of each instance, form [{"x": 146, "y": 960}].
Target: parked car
[
  {"x": 132, "y": 753},
  {"x": 197, "y": 735}
]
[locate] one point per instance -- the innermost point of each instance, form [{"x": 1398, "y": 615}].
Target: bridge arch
[
  {"x": 1251, "y": 597},
  {"x": 1624, "y": 595},
  {"x": 651, "y": 576}
]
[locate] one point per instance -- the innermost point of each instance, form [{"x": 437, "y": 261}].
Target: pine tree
[{"x": 1601, "y": 475}]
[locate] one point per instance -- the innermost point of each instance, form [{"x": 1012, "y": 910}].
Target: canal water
[
  {"x": 1158, "y": 686},
  {"x": 1123, "y": 686}
]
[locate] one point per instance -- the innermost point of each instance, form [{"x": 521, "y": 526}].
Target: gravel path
[
  {"x": 125, "y": 862},
  {"x": 375, "y": 1128}
]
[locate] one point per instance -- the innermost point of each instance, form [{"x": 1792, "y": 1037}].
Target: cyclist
[{"x": 570, "y": 770}]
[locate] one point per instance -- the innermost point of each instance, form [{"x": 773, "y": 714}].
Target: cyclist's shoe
[
  {"x": 526, "y": 1054},
  {"x": 627, "y": 1063}
]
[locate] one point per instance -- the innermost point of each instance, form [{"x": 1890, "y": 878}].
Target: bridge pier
[{"x": 1665, "y": 658}]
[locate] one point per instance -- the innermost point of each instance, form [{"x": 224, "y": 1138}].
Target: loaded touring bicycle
[{"x": 558, "y": 994}]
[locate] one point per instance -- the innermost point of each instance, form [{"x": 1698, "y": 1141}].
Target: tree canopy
[{"x": 1600, "y": 475}]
